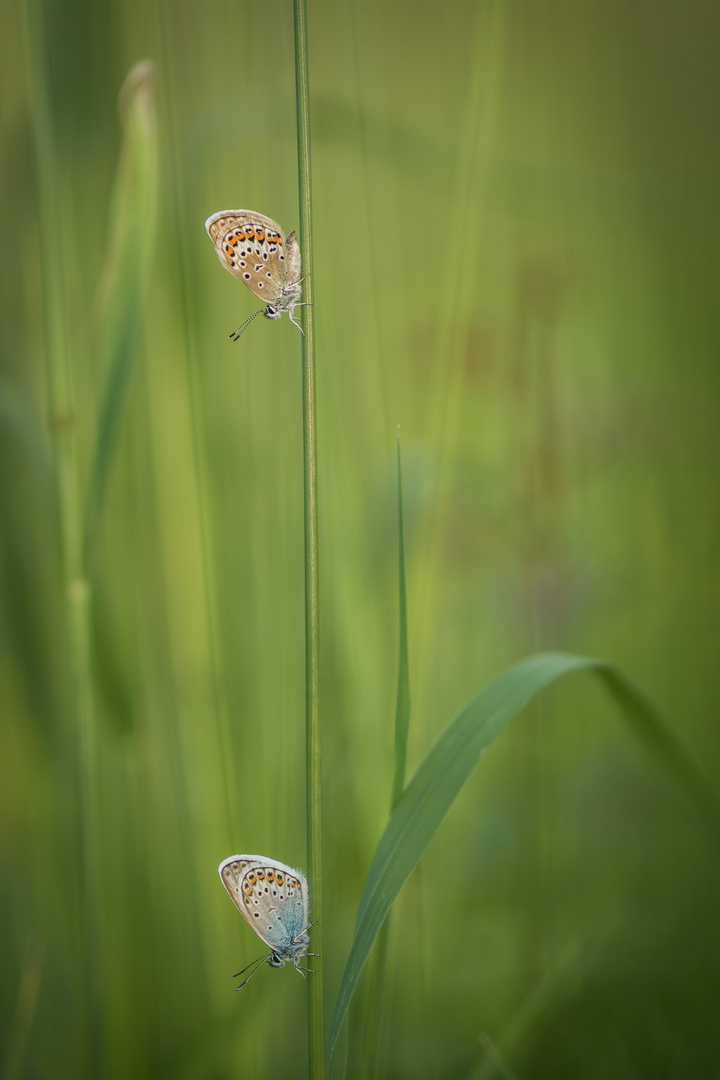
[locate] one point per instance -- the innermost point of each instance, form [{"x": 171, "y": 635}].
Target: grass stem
[
  {"x": 312, "y": 711},
  {"x": 402, "y": 727}
]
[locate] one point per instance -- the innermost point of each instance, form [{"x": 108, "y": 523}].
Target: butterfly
[
  {"x": 274, "y": 899},
  {"x": 254, "y": 249}
]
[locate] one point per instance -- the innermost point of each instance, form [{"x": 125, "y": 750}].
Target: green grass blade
[
  {"x": 62, "y": 412},
  {"x": 660, "y": 742},
  {"x": 561, "y": 979},
  {"x": 125, "y": 281},
  {"x": 402, "y": 727},
  {"x": 449, "y": 763},
  {"x": 18, "y": 430},
  {"x": 402, "y": 707}
]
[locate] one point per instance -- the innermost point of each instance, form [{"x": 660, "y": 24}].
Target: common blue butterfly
[
  {"x": 254, "y": 248},
  {"x": 274, "y": 899}
]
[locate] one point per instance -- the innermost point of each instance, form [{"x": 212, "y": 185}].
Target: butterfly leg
[
  {"x": 296, "y": 323},
  {"x": 308, "y": 970}
]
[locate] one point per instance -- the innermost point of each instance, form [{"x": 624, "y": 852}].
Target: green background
[{"x": 516, "y": 261}]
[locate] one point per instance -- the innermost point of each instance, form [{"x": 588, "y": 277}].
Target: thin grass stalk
[
  {"x": 402, "y": 727},
  {"x": 312, "y": 710},
  {"x": 62, "y": 412},
  {"x": 402, "y": 704}
]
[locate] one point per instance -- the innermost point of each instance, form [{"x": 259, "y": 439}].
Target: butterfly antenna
[
  {"x": 255, "y": 965},
  {"x": 236, "y": 333}
]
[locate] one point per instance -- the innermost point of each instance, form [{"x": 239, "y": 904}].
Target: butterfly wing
[
  {"x": 254, "y": 249},
  {"x": 292, "y": 254},
  {"x": 271, "y": 897}
]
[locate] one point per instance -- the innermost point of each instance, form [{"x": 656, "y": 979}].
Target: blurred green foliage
[{"x": 516, "y": 260}]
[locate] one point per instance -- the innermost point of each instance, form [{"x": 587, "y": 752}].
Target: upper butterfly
[{"x": 254, "y": 249}]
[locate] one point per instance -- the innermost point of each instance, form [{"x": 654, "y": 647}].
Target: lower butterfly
[
  {"x": 274, "y": 899},
  {"x": 254, "y": 248}
]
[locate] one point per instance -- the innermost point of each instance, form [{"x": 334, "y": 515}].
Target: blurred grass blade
[
  {"x": 449, "y": 763},
  {"x": 125, "y": 278},
  {"x": 561, "y": 980},
  {"x": 402, "y": 706},
  {"x": 402, "y": 727},
  {"x": 17, "y": 429},
  {"x": 18, "y": 1030}
]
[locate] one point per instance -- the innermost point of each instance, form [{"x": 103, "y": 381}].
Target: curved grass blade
[{"x": 453, "y": 757}]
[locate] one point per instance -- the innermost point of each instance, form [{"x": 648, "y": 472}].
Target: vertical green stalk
[
  {"x": 402, "y": 727},
  {"x": 62, "y": 412},
  {"x": 312, "y": 711},
  {"x": 402, "y": 704}
]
